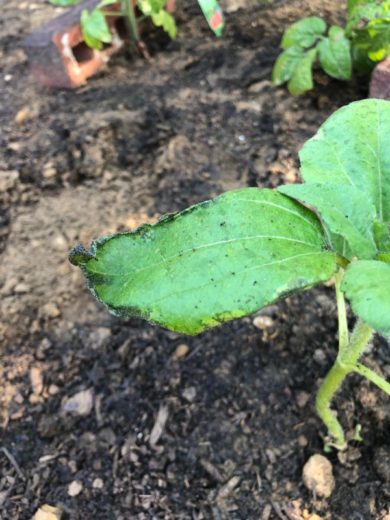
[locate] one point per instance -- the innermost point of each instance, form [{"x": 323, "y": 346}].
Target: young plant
[
  {"x": 96, "y": 31},
  {"x": 364, "y": 41},
  {"x": 228, "y": 257}
]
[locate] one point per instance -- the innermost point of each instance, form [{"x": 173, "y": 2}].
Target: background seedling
[
  {"x": 228, "y": 257},
  {"x": 96, "y": 31},
  {"x": 358, "y": 46}
]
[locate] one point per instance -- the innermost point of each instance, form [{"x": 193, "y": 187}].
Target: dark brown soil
[{"x": 137, "y": 141}]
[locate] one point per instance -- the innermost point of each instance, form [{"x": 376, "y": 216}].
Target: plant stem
[
  {"x": 114, "y": 13},
  {"x": 327, "y": 390},
  {"x": 373, "y": 377},
  {"x": 131, "y": 22},
  {"x": 350, "y": 351},
  {"x": 341, "y": 311}
]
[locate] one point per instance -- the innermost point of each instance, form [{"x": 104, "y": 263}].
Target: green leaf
[
  {"x": 379, "y": 39},
  {"x": 166, "y": 21},
  {"x": 347, "y": 216},
  {"x": 302, "y": 78},
  {"x": 214, "y": 262},
  {"x": 64, "y": 3},
  {"x": 334, "y": 54},
  {"x": 361, "y": 62},
  {"x": 95, "y": 29},
  {"x": 147, "y": 7},
  {"x": 367, "y": 285},
  {"x": 381, "y": 236},
  {"x": 351, "y": 5},
  {"x": 304, "y": 33},
  {"x": 363, "y": 12},
  {"x": 351, "y": 148},
  {"x": 285, "y": 65}
]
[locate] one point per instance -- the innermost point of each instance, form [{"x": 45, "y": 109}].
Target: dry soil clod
[{"x": 318, "y": 476}]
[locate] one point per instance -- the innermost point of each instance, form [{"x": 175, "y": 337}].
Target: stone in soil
[
  {"x": 79, "y": 404},
  {"x": 318, "y": 476}
]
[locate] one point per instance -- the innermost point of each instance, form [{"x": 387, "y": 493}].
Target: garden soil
[{"x": 107, "y": 418}]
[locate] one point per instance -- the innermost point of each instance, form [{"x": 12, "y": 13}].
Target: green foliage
[
  {"x": 286, "y": 64},
  {"x": 345, "y": 153},
  {"x": 216, "y": 261},
  {"x": 301, "y": 79},
  {"x": 95, "y": 29},
  {"x": 159, "y": 16},
  {"x": 347, "y": 216},
  {"x": 364, "y": 41},
  {"x": 228, "y": 257},
  {"x": 166, "y": 21},
  {"x": 334, "y": 54},
  {"x": 304, "y": 33},
  {"x": 367, "y": 285}
]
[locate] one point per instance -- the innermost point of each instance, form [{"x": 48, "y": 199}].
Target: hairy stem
[
  {"x": 341, "y": 311},
  {"x": 373, "y": 377},
  {"x": 350, "y": 350},
  {"x": 325, "y": 394}
]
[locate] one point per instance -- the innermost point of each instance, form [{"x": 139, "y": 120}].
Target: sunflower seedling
[{"x": 228, "y": 257}]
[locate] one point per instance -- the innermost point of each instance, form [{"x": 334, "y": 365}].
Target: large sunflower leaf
[
  {"x": 367, "y": 285},
  {"x": 351, "y": 148},
  {"x": 346, "y": 213},
  {"x": 214, "y": 262}
]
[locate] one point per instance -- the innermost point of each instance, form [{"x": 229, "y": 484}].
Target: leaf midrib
[
  {"x": 204, "y": 246},
  {"x": 238, "y": 273}
]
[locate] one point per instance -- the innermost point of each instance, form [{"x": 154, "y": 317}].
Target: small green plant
[
  {"x": 364, "y": 41},
  {"x": 228, "y": 257},
  {"x": 96, "y": 31}
]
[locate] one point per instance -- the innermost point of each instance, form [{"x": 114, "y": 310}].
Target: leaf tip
[{"x": 79, "y": 256}]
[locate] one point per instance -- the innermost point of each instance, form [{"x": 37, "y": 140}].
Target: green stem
[
  {"x": 114, "y": 13},
  {"x": 325, "y": 394},
  {"x": 341, "y": 311},
  {"x": 373, "y": 377},
  {"x": 131, "y": 21},
  {"x": 346, "y": 362}
]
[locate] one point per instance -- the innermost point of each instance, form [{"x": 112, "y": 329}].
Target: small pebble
[
  {"x": 97, "y": 483},
  {"x": 263, "y": 322},
  {"x": 21, "y": 288},
  {"x": 8, "y": 179},
  {"x": 318, "y": 476},
  {"x": 34, "y": 399},
  {"x": 319, "y": 356},
  {"x": 53, "y": 390},
  {"x": 302, "y": 441},
  {"x": 189, "y": 393},
  {"x": 75, "y": 488},
  {"x": 302, "y": 399},
  {"x": 36, "y": 380},
  {"x": 181, "y": 351},
  {"x": 60, "y": 243},
  {"x": 49, "y": 171},
  {"x": 23, "y": 115},
  {"x": 79, "y": 404},
  {"x": 50, "y": 310},
  {"x": 47, "y": 512}
]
